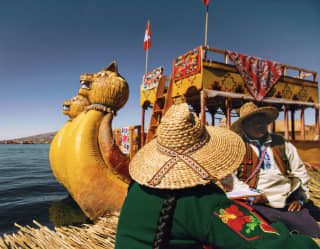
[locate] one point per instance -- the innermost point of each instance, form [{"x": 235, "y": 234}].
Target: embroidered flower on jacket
[{"x": 234, "y": 218}]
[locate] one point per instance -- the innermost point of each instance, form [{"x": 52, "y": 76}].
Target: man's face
[{"x": 256, "y": 126}]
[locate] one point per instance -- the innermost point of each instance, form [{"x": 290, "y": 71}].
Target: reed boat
[
  {"x": 91, "y": 160},
  {"x": 95, "y": 171}
]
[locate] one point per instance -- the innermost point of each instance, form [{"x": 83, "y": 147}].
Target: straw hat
[
  {"x": 186, "y": 153},
  {"x": 248, "y": 110}
]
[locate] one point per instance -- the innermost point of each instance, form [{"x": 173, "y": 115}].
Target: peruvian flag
[
  {"x": 147, "y": 38},
  {"x": 206, "y": 2}
]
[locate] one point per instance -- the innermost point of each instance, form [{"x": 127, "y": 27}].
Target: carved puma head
[{"x": 109, "y": 88}]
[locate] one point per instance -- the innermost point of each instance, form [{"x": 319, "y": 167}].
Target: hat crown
[
  {"x": 179, "y": 129},
  {"x": 247, "y": 108},
  {"x": 185, "y": 153}
]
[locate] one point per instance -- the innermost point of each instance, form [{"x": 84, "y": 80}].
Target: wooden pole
[
  {"x": 293, "y": 135},
  {"x": 203, "y": 97},
  {"x": 317, "y": 122},
  {"x": 138, "y": 127},
  {"x": 228, "y": 110},
  {"x": 206, "y": 32},
  {"x": 286, "y": 128},
  {"x": 142, "y": 126},
  {"x": 284, "y": 71},
  {"x": 303, "y": 134},
  {"x": 147, "y": 52}
]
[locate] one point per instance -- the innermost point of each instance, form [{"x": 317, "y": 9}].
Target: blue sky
[{"x": 46, "y": 45}]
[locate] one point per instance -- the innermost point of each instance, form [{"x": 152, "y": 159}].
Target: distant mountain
[{"x": 44, "y": 138}]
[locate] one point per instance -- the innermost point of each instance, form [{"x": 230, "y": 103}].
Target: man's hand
[{"x": 294, "y": 206}]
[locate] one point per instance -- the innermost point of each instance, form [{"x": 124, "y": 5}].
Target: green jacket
[{"x": 203, "y": 216}]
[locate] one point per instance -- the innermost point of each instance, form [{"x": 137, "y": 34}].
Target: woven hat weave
[
  {"x": 249, "y": 110},
  {"x": 186, "y": 153}
]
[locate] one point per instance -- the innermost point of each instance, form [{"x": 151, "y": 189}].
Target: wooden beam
[
  {"x": 203, "y": 97},
  {"x": 142, "y": 126},
  {"x": 286, "y": 128},
  {"x": 317, "y": 122},
  {"x": 221, "y": 51},
  {"x": 298, "y": 68},
  {"x": 303, "y": 136},
  {"x": 226, "y": 58},
  {"x": 216, "y": 50},
  {"x": 139, "y": 136},
  {"x": 284, "y": 71},
  {"x": 293, "y": 135},
  {"x": 228, "y": 111}
]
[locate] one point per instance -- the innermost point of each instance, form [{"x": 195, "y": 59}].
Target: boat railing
[{"x": 301, "y": 72}]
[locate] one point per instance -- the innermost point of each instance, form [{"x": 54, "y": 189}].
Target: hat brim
[
  {"x": 271, "y": 113},
  {"x": 220, "y": 156}
]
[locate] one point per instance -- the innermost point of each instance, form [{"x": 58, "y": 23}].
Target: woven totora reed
[{"x": 99, "y": 235}]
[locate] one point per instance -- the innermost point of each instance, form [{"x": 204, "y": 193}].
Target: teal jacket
[{"x": 203, "y": 216}]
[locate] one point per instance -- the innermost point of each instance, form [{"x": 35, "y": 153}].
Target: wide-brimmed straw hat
[
  {"x": 248, "y": 110},
  {"x": 186, "y": 153}
]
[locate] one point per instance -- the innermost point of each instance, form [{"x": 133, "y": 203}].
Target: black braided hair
[{"x": 162, "y": 236}]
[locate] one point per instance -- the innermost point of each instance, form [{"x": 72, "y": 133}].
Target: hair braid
[{"x": 161, "y": 238}]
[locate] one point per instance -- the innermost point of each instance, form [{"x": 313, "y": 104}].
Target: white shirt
[{"x": 272, "y": 183}]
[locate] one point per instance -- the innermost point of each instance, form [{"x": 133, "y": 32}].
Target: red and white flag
[
  {"x": 147, "y": 38},
  {"x": 206, "y": 2}
]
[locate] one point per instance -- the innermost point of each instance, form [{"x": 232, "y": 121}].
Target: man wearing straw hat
[
  {"x": 272, "y": 166},
  {"x": 173, "y": 201}
]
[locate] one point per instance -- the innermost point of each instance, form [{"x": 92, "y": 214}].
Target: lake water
[{"x": 27, "y": 186}]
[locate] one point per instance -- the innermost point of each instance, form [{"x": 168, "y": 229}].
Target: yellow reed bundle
[{"x": 98, "y": 236}]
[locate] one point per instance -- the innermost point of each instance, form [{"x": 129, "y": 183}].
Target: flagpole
[
  {"x": 147, "y": 52},
  {"x": 206, "y": 33}
]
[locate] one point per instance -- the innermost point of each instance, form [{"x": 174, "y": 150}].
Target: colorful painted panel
[
  {"x": 125, "y": 140},
  {"x": 187, "y": 64},
  {"x": 151, "y": 79}
]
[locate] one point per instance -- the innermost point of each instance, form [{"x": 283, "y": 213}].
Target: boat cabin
[{"x": 214, "y": 87}]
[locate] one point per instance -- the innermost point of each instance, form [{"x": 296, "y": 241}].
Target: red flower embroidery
[{"x": 234, "y": 218}]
